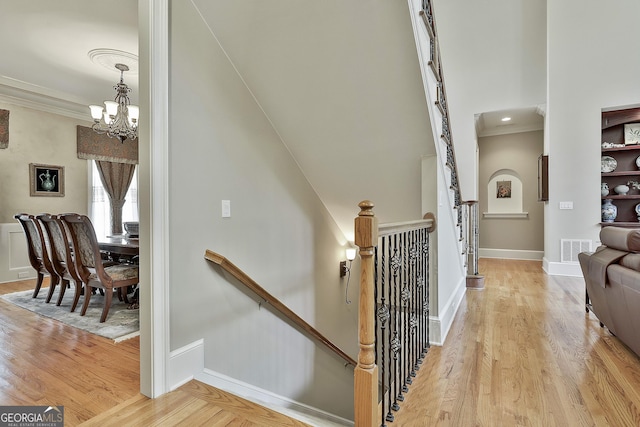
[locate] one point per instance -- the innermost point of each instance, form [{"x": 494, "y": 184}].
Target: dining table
[{"x": 121, "y": 245}]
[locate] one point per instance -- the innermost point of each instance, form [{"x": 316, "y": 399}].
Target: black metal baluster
[
  {"x": 411, "y": 279},
  {"x": 390, "y": 416},
  {"x": 414, "y": 286},
  {"x": 405, "y": 317},
  {"x": 395, "y": 342},
  {"x": 427, "y": 285},
  {"x": 422, "y": 294},
  {"x": 382, "y": 317}
]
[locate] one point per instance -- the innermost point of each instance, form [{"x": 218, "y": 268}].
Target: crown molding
[
  {"x": 38, "y": 98},
  {"x": 508, "y": 129}
]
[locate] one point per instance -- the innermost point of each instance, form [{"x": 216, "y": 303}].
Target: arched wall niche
[{"x": 505, "y": 195}]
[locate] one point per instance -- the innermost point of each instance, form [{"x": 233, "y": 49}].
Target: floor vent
[{"x": 572, "y": 247}]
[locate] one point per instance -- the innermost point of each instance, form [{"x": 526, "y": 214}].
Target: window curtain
[{"x": 116, "y": 178}]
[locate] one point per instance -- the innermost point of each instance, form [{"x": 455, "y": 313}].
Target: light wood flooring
[
  {"x": 44, "y": 362},
  {"x": 521, "y": 352}
]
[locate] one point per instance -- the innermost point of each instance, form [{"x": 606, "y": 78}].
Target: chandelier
[{"x": 118, "y": 118}]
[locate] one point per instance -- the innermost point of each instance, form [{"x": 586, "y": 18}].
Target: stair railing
[
  {"x": 281, "y": 308},
  {"x": 435, "y": 64},
  {"x": 393, "y": 312}
]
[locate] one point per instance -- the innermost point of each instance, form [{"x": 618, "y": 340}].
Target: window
[{"x": 99, "y": 209}]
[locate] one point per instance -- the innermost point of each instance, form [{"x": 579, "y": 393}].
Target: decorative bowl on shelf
[
  {"x": 608, "y": 164},
  {"x": 132, "y": 228}
]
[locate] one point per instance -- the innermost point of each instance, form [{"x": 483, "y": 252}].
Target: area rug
[{"x": 121, "y": 323}]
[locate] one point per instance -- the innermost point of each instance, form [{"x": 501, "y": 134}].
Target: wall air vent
[{"x": 570, "y": 248}]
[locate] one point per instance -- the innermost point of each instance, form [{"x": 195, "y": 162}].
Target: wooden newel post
[{"x": 366, "y": 373}]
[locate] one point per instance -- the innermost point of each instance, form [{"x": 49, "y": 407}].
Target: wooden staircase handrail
[
  {"x": 428, "y": 222},
  {"x": 236, "y": 272}
]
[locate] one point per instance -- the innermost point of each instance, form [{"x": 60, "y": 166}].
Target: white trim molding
[
  {"x": 561, "y": 268},
  {"x": 505, "y": 215},
  {"x": 511, "y": 254}
]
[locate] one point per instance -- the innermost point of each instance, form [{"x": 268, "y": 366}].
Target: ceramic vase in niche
[
  {"x": 604, "y": 189},
  {"x": 609, "y": 211},
  {"x": 621, "y": 189}
]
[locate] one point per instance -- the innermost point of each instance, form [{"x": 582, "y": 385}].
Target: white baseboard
[
  {"x": 510, "y": 254},
  {"x": 185, "y": 364},
  {"x": 439, "y": 326},
  {"x": 561, "y": 268},
  {"x": 284, "y": 405},
  {"x": 435, "y": 331}
]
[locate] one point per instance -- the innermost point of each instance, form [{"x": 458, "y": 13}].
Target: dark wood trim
[{"x": 543, "y": 178}]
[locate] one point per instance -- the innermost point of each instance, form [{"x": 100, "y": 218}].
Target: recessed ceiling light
[{"x": 506, "y": 119}]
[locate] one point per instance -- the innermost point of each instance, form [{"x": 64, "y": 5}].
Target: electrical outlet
[{"x": 23, "y": 275}]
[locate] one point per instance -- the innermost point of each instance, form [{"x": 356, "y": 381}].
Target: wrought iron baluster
[
  {"x": 395, "y": 341},
  {"x": 389, "y": 371},
  {"x": 413, "y": 321},
  {"x": 404, "y": 311},
  {"x": 382, "y": 317},
  {"x": 426, "y": 302}
]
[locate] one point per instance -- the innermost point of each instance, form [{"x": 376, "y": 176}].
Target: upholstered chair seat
[{"x": 88, "y": 262}]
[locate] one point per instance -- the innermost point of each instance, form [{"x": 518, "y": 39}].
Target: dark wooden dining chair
[
  {"x": 88, "y": 262},
  {"x": 38, "y": 253},
  {"x": 62, "y": 256}
]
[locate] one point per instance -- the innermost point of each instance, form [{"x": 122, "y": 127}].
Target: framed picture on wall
[
  {"x": 46, "y": 180},
  {"x": 632, "y": 133},
  {"x": 503, "y": 189},
  {"x": 543, "y": 178}
]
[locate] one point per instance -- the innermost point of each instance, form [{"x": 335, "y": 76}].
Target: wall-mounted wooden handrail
[{"x": 232, "y": 269}]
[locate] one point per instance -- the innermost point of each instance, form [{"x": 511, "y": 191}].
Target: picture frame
[
  {"x": 543, "y": 178},
  {"x": 503, "y": 189},
  {"x": 632, "y": 134},
  {"x": 46, "y": 180}
]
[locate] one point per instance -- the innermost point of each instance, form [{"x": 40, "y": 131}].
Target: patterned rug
[{"x": 121, "y": 323}]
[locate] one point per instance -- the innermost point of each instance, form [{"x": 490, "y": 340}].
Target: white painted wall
[
  {"x": 593, "y": 64},
  {"x": 223, "y": 147},
  {"x": 493, "y": 58},
  {"x": 505, "y": 53}
]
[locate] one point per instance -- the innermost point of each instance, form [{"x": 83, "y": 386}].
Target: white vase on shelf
[
  {"x": 604, "y": 189},
  {"x": 621, "y": 189}
]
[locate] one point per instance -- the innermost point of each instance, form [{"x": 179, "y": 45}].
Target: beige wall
[
  {"x": 43, "y": 138},
  {"x": 223, "y": 147},
  {"x": 518, "y": 152}
]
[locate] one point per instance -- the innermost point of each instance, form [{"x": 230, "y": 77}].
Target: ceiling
[
  {"x": 45, "y": 57},
  {"x": 522, "y": 120},
  {"x": 50, "y": 64},
  {"x": 307, "y": 64}
]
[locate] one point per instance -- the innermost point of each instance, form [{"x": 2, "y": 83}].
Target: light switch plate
[
  {"x": 226, "y": 209},
  {"x": 566, "y": 205}
]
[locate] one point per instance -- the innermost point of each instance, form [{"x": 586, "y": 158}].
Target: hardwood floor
[
  {"x": 44, "y": 362},
  {"x": 521, "y": 352}
]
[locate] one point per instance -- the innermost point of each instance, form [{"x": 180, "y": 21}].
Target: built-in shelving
[{"x": 627, "y": 170}]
